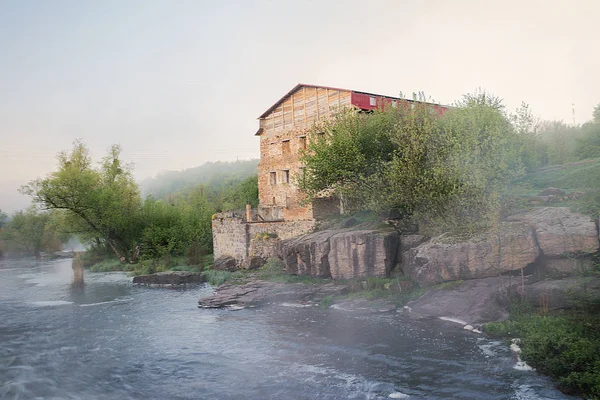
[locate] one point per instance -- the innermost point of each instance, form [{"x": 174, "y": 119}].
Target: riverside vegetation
[{"x": 461, "y": 172}]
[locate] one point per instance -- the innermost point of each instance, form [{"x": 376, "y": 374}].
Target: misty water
[{"x": 117, "y": 341}]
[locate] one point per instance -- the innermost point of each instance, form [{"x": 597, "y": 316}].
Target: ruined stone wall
[
  {"x": 234, "y": 237},
  {"x": 229, "y": 236}
]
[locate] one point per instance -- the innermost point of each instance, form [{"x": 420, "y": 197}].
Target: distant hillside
[{"x": 213, "y": 174}]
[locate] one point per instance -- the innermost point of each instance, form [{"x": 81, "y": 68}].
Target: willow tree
[{"x": 101, "y": 204}]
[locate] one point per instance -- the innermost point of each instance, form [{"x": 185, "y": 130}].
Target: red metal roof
[{"x": 300, "y": 85}]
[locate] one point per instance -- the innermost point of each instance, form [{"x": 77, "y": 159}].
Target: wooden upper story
[{"x": 302, "y": 106}]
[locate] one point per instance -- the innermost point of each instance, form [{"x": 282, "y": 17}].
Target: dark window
[
  {"x": 273, "y": 178},
  {"x": 285, "y": 176},
  {"x": 285, "y": 146},
  {"x": 302, "y": 142}
]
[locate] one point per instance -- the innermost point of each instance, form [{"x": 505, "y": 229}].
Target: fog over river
[{"x": 117, "y": 341}]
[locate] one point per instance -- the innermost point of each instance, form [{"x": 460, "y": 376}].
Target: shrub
[{"x": 565, "y": 346}]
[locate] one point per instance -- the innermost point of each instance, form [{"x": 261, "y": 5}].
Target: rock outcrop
[
  {"x": 258, "y": 291},
  {"x": 560, "y": 231},
  {"x": 169, "y": 278},
  {"x": 341, "y": 254},
  {"x": 510, "y": 247},
  {"x": 359, "y": 254},
  {"x": 470, "y": 302},
  {"x": 554, "y": 238},
  {"x": 307, "y": 255}
]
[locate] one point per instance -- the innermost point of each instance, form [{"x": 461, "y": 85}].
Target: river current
[{"x": 116, "y": 341}]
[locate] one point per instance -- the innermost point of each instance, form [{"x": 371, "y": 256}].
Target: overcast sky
[{"x": 179, "y": 83}]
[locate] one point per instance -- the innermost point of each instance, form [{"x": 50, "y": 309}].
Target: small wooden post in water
[{"x": 77, "y": 269}]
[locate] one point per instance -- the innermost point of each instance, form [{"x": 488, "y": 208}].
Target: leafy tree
[
  {"x": 3, "y": 218},
  {"x": 237, "y": 193},
  {"x": 588, "y": 145},
  {"x": 411, "y": 159},
  {"x": 33, "y": 230},
  {"x": 102, "y": 202}
]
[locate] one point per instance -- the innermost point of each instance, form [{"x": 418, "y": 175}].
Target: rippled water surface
[{"x": 116, "y": 341}]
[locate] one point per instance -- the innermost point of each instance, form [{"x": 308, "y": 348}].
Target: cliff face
[{"x": 553, "y": 238}]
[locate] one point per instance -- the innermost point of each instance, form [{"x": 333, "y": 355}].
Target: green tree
[
  {"x": 427, "y": 166},
  {"x": 102, "y": 203},
  {"x": 3, "y": 218},
  {"x": 33, "y": 231}
]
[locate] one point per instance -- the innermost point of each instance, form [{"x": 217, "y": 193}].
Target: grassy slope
[{"x": 576, "y": 176}]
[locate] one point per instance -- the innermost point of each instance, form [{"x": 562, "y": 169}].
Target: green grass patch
[
  {"x": 109, "y": 266},
  {"x": 564, "y": 345},
  {"x": 217, "y": 278},
  {"x": 572, "y": 176}
]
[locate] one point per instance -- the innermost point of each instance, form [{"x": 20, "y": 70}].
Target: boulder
[
  {"x": 365, "y": 253},
  {"x": 225, "y": 264},
  {"x": 258, "y": 292},
  {"x": 510, "y": 247},
  {"x": 560, "y": 231},
  {"x": 564, "y": 293},
  {"x": 408, "y": 242},
  {"x": 169, "y": 278},
  {"x": 566, "y": 266},
  {"x": 307, "y": 255},
  {"x": 470, "y": 302}
]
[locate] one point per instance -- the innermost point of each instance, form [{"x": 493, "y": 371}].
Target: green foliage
[
  {"x": 588, "y": 145},
  {"x": 33, "y": 231},
  {"x": 109, "y": 265},
  {"x": 101, "y": 203},
  {"x": 441, "y": 170},
  {"x": 326, "y": 301},
  {"x": 217, "y": 278},
  {"x": 564, "y": 345},
  {"x": 103, "y": 207},
  {"x": 3, "y": 218}
]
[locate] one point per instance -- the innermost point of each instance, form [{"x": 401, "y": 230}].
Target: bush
[{"x": 565, "y": 346}]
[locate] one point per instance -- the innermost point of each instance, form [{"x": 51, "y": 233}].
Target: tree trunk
[{"x": 117, "y": 252}]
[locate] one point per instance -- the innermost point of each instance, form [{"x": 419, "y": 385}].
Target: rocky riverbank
[{"x": 472, "y": 302}]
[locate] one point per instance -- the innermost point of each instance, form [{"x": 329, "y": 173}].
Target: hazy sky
[{"x": 178, "y": 83}]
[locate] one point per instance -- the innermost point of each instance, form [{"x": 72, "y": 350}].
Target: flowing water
[{"x": 116, "y": 341}]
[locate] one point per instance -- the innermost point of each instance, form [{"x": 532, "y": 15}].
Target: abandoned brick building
[{"x": 283, "y": 132}]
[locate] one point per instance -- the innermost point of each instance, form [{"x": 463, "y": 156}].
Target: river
[{"x": 116, "y": 341}]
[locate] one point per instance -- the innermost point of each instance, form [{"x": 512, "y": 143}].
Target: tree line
[
  {"x": 102, "y": 205},
  {"x": 442, "y": 172}
]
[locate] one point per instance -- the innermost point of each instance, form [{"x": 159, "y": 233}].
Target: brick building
[
  {"x": 251, "y": 237},
  {"x": 283, "y": 131}
]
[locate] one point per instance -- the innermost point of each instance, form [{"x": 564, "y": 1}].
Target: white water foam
[
  {"x": 297, "y": 305},
  {"x": 49, "y": 303},
  {"x": 455, "y": 320},
  {"x": 106, "y": 302},
  {"x": 520, "y": 365},
  {"x": 398, "y": 395},
  {"x": 489, "y": 349}
]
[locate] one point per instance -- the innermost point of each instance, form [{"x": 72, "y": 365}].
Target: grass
[
  {"x": 575, "y": 176},
  {"x": 109, "y": 265},
  {"x": 564, "y": 345},
  {"x": 216, "y": 278}
]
